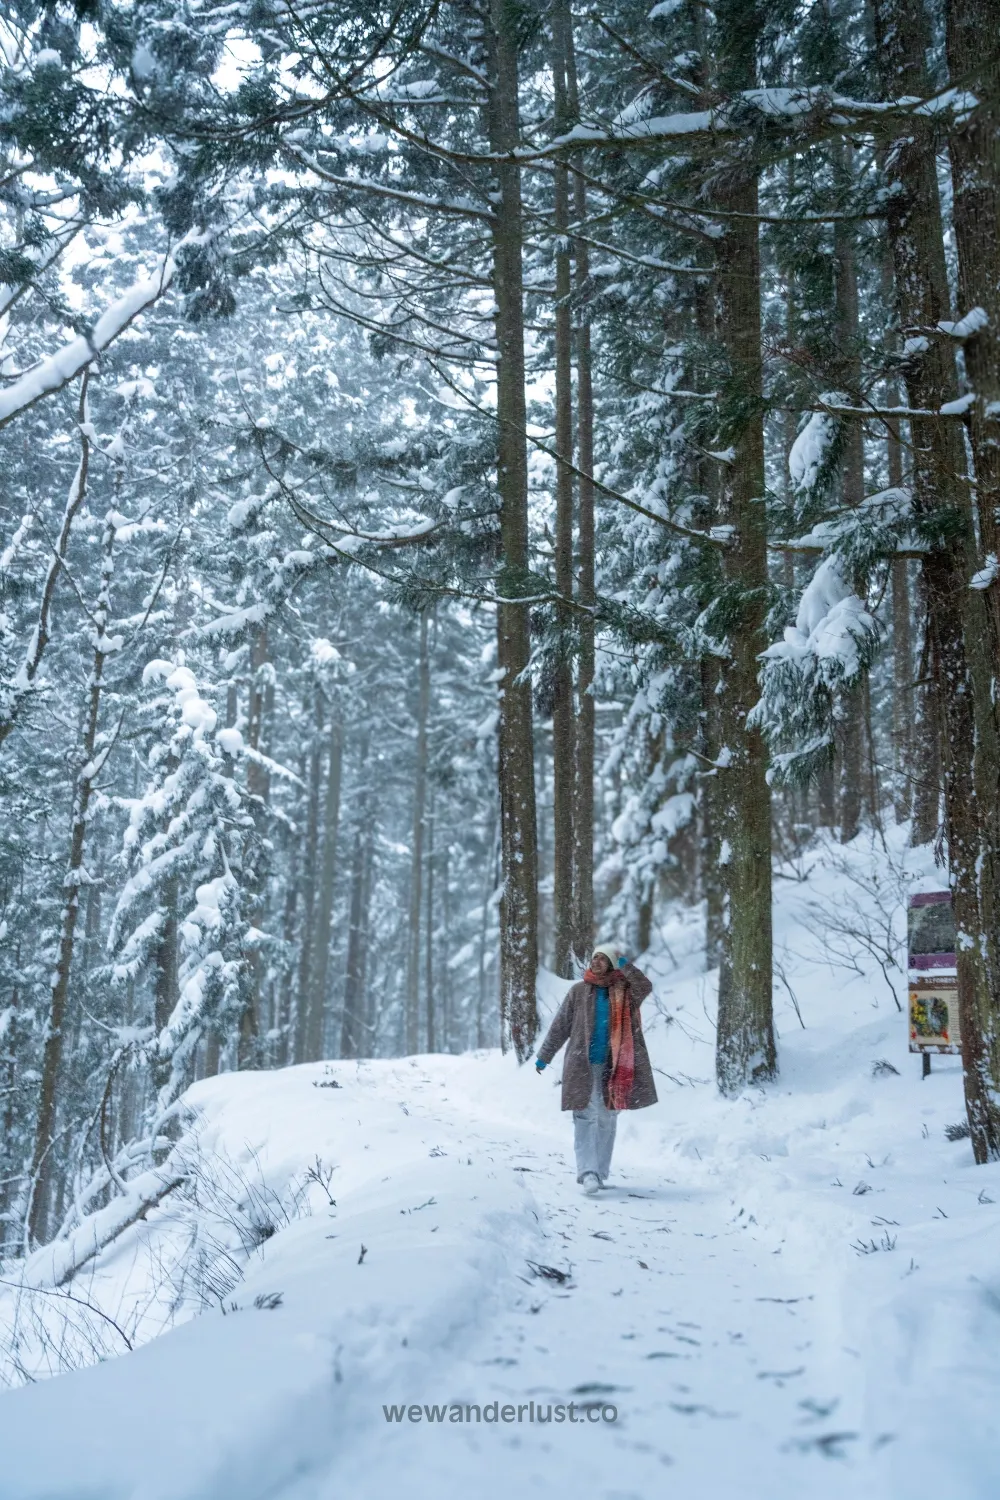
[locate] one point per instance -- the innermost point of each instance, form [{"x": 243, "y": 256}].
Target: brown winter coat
[{"x": 575, "y": 1020}]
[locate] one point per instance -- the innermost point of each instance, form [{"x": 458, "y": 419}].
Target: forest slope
[{"x": 795, "y": 1289}]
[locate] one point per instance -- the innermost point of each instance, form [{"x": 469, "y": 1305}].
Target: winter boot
[{"x": 591, "y": 1183}]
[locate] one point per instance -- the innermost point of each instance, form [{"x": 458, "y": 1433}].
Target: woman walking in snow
[{"x": 606, "y": 1067}]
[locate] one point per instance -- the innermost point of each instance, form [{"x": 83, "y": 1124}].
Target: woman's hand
[{"x": 539, "y": 1065}]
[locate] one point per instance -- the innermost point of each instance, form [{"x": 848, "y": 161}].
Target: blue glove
[
  {"x": 623, "y": 962},
  {"x": 539, "y": 1065}
]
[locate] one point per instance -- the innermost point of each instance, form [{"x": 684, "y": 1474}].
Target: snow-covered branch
[
  {"x": 58, "y": 370},
  {"x": 55, "y": 1264}
]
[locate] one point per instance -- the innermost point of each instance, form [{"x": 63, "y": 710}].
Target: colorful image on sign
[{"x": 929, "y": 1019}]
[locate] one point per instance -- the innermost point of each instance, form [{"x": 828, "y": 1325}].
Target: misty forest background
[{"x": 473, "y": 470}]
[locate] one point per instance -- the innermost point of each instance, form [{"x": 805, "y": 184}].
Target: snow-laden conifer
[{"x": 191, "y": 847}]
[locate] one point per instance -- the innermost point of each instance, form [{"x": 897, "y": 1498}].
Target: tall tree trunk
[
  {"x": 444, "y": 980},
  {"x": 975, "y": 165},
  {"x": 352, "y": 1040},
  {"x": 584, "y": 736},
  {"x": 745, "y": 1047},
  {"x": 248, "y": 1035},
  {"x": 166, "y": 964},
  {"x": 44, "y": 1165},
  {"x": 519, "y": 903},
  {"x": 9, "y": 1069},
  {"x": 429, "y": 976},
  {"x": 928, "y": 734},
  {"x": 563, "y": 737},
  {"x": 957, "y": 614},
  {"x": 491, "y": 872},
  {"x": 417, "y": 847},
  {"x": 287, "y": 1014},
  {"x": 307, "y": 935},
  {"x": 370, "y": 990},
  {"x": 261, "y": 700},
  {"x": 826, "y": 795},
  {"x": 213, "y": 1052},
  {"x": 248, "y": 1052},
  {"x": 711, "y": 879},
  {"x": 852, "y": 735},
  {"x": 903, "y": 690},
  {"x": 324, "y": 900},
  {"x": 166, "y": 978},
  {"x": 711, "y": 882},
  {"x": 796, "y": 797},
  {"x": 543, "y": 780},
  {"x": 975, "y": 169}
]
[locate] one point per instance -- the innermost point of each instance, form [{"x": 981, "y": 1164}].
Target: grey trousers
[{"x": 594, "y": 1130}]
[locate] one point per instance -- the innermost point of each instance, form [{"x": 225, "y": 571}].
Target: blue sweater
[{"x": 601, "y": 1037}]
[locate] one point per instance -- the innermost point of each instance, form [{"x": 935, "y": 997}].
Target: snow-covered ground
[{"x": 796, "y": 1291}]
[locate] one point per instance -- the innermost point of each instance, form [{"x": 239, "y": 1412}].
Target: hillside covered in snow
[{"x": 792, "y": 1291}]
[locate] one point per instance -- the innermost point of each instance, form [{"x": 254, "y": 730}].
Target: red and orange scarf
[{"x": 622, "y": 1044}]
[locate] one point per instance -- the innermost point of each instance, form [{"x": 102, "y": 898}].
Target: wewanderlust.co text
[{"x": 528, "y": 1411}]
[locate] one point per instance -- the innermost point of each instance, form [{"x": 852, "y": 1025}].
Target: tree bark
[
  {"x": 261, "y": 701},
  {"x": 957, "y": 615},
  {"x": 444, "y": 978},
  {"x": 584, "y": 737},
  {"x": 287, "y": 1017},
  {"x": 975, "y": 165},
  {"x": 369, "y": 990},
  {"x": 307, "y": 935},
  {"x": 563, "y": 737},
  {"x": 491, "y": 873},
  {"x": 417, "y": 847},
  {"x": 903, "y": 690},
  {"x": 43, "y": 1161},
  {"x": 711, "y": 883},
  {"x": 519, "y": 903},
  {"x": 261, "y": 698},
  {"x": 853, "y": 492},
  {"x": 324, "y": 902},
  {"x": 711, "y": 878},
  {"x": 975, "y": 168},
  {"x": 745, "y": 1047},
  {"x": 352, "y": 1040},
  {"x": 927, "y": 735},
  {"x": 9, "y": 1060},
  {"x": 429, "y": 986}
]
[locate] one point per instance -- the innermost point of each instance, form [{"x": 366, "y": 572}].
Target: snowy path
[
  {"x": 713, "y": 1299},
  {"x": 680, "y": 1312}
]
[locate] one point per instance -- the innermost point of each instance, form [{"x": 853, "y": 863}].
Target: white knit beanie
[{"x": 610, "y": 952}]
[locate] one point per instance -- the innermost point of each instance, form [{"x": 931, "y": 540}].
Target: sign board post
[{"x": 932, "y": 976}]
